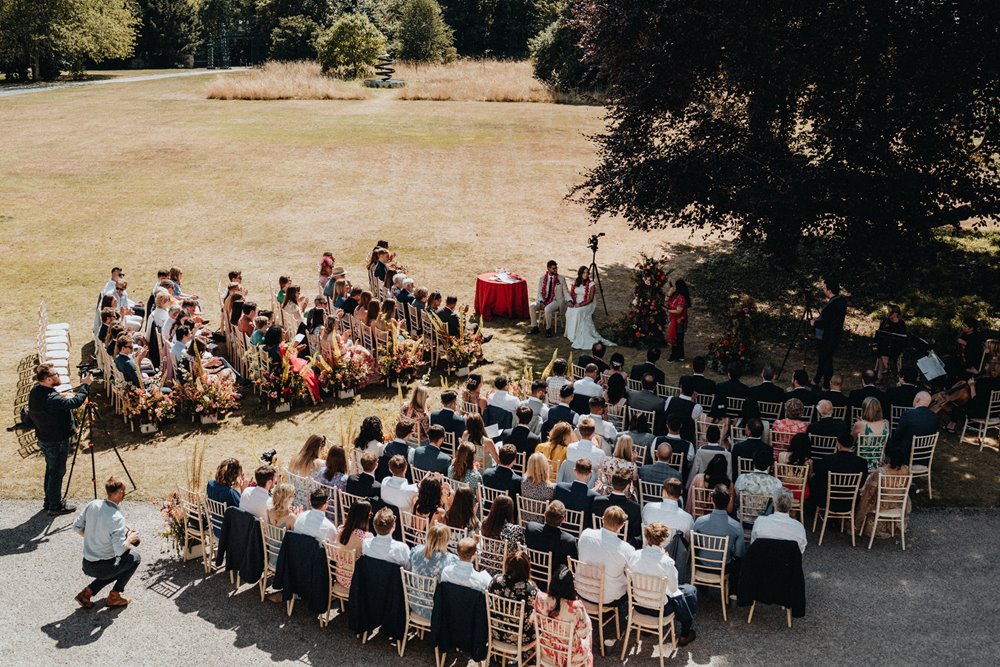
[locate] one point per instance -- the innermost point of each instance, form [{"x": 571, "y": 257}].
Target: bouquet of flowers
[
  {"x": 521, "y": 387},
  {"x": 284, "y": 385},
  {"x": 148, "y": 405},
  {"x": 400, "y": 359},
  {"x": 205, "y": 398},
  {"x": 173, "y": 520},
  {"x": 349, "y": 367},
  {"x": 645, "y": 323},
  {"x": 739, "y": 340}
]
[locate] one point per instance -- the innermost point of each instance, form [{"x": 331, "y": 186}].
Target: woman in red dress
[{"x": 678, "y": 302}]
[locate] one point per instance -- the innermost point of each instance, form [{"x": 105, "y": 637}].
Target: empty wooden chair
[
  {"x": 197, "y": 535},
  {"x": 272, "y": 537},
  {"x": 922, "y": 458},
  {"x": 709, "y": 555},
  {"x": 647, "y": 592},
  {"x": 842, "y": 489},
  {"x": 982, "y": 425},
  {"x": 541, "y": 566}
]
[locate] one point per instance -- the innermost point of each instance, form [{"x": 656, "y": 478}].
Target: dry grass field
[{"x": 152, "y": 174}]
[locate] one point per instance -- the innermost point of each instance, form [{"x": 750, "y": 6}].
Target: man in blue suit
[
  {"x": 576, "y": 495},
  {"x": 429, "y": 456},
  {"x": 448, "y": 416},
  {"x": 916, "y": 422}
]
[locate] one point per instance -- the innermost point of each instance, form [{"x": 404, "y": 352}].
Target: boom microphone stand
[
  {"x": 800, "y": 333},
  {"x": 593, "y": 268},
  {"x": 92, "y": 416}
]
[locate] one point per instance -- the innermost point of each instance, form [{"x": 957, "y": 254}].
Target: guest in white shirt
[
  {"x": 668, "y": 510},
  {"x": 314, "y": 521},
  {"x": 396, "y": 490},
  {"x": 116, "y": 275},
  {"x": 587, "y": 385},
  {"x": 557, "y": 378},
  {"x": 604, "y": 547},
  {"x": 257, "y": 499},
  {"x": 501, "y": 398},
  {"x": 779, "y": 526},
  {"x": 381, "y": 545},
  {"x": 585, "y": 447},
  {"x": 464, "y": 572},
  {"x": 681, "y": 600},
  {"x": 605, "y": 429}
]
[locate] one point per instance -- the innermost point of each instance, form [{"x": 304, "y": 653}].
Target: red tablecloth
[{"x": 501, "y": 299}]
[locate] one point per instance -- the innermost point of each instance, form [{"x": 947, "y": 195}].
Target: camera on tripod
[
  {"x": 592, "y": 241},
  {"x": 92, "y": 370}
]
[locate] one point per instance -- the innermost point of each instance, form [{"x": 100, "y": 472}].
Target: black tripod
[
  {"x": 800, "y": 333},
  {"x": 594, "y": 275},
  {"x": 92, "y": 416}
]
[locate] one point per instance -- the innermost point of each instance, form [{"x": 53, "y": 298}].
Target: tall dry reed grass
[{"x": 286, "y": 81}]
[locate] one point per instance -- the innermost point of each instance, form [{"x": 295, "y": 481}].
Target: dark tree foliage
[
  {"x": 471, "y": 20},
  {"x": 170, "y": 30},
  {"x": 558, "y": 59},
  {"x": 294, "y": 39},
  {"x": 868, "y": 121}
]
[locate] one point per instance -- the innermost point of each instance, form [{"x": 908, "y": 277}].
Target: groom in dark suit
[{"x": 829, "y": 328}]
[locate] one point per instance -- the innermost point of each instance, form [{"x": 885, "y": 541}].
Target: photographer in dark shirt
[{"x": 52, "y": 416}]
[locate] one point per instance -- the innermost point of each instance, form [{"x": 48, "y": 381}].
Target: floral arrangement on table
[
  {"x": 645, "y": 323},
  {"x": 400, "y": 358},
  {"x": 738, "y": 341},
  {"x": 148, "y": 405},
  {"x": 349, "y": 368}
]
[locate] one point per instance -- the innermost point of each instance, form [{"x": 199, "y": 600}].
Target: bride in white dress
[{"x": 580, "y": 329}]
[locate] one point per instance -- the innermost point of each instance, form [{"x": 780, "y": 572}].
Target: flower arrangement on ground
[
  {"x": 147, "y": 405},
  {"x": 645, "y": 323},
  {"x": 173, "y": 526},
  {"x": 400, "y": 358},
  {"x": 206, "y": 398},
  {"x": 283, "y": 384},
  {"x": 349, "y": 367},
  {"x": 738, "y": 341}
]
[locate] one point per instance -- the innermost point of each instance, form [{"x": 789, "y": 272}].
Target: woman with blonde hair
[
  {"x": 621, "y": 461},
  {"x": 415, "y": 410},
  {"x": 555, "y": 449},
  {"x": 535, "y": 483},
  {"x": 872, "y": 420},
  {"x": 281, "y": 512},
  {"x": 463, "y": 466},
  {"x": 429, "y": 559}
]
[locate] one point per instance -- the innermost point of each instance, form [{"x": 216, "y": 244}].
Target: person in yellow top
[{"x": 555, "y": 448}]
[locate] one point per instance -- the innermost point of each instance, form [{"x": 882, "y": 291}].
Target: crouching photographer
[
  {"x": 52, "y": 416},
  {"x": 108, "y": 555}
]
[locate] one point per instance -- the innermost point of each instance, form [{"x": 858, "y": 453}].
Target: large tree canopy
[{"x": 869, "y": 120}]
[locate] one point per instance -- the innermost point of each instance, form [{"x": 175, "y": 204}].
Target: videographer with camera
[
  {"x": 107, "y": 546},
  {"x": 52, "y": 416}
]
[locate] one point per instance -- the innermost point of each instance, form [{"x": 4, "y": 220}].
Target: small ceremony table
[{"x": 496, "y": 297}]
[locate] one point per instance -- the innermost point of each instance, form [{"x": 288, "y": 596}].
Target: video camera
[
  {"x": 592, "y": 241},
  {"x": 90, "y": 369}
]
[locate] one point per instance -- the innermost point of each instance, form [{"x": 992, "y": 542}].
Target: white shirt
[
  {"x": 603, "y": 428},
  {"x": 556, "y": 381},
  {"x": 256, "y": 500},
  {"x": 698, "y": 409},
  {"x": 375, "y": 447},
  {"x": 779, "y": 526},
  {"x": 656, "y": 562},
  {"x": 602, "y": 547},
  {"x": 315, "y": 523},
  {"x": 588, "y": 387},
  {"x": 398, "y": 492},
  {"x": 385, "y": 548},
  {"x": 585, "y": 449},
  {"x": 669, "y": 512},
  {"x": 104, "y": 530},
  {"x": 503, "y": 399},
  {"x": 109, "y": 287},
  {"x": 463, "y": 574}
]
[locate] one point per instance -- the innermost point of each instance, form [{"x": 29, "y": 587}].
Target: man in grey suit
[
  {"x": 659, "y": 470},
  {"x": 646, "y": 399}
]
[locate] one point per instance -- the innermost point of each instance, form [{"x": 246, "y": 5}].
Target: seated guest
[
  {"x": 800, "y": 388},
  {"x": 429, "y": 559},
  {"x": 895, "y": 464},
  {"x": 364, "y": 483},
  {"x": 396, "y": 491},
  {"x": 314, "y": 522},
  {"x": 872, "y": 421},
  {"x": 647, "y": 400},
  {"x": 382, "y": 546},
  {"x": 825, "y": 424},
  {"x": 715, "y": 474},
  {"x": 281, "y": 513},
  {"x": 668, "y": 510},
  {"x": 868, "y": 390},
  {"x": 700, "y": 384},
  {"x": 472, "y": 393},
  {"x": 561, "y": 413},
  {"x": 501, "y": 523},
  {"x": 416, "y": 411},
  {"x": 405, "y": 293},
  {"x": 502, "y": 476},
  {"x": 605, "y": 430},
  {"x": 835, "y": 394},
  {"x": 429, "y": 456},
  {"x": 463, "y": 467},
  {"x": 397, "y": 285},
  {"x": 577, "y": 494},
  {"x": 352, "y": 301},
  {"x": 708, "y": 452},
  {"x": 779, "y": 526},
  {"x": 353, "y": 533},
  {"x": 501, "y": 398},
  {"x": 618, "y": 497},
  {"x": 616, "y": 394},
  {"x": 685, "y": 407},
  {"x": 916, "y": 422},
  {"x": 463, "y": 513},
  {"x": 681, "y": 599},
  {"x": 535, "y": 483},
  {"x": 447, "y": 417},
  {"x": 754, "y": 430},
  {"x": 638, "y": 430},
  {"x": 126, "y": 364},
  {"x": 464, "y": 572},
  {"x": 621, "y": 462},
  {"x": 537, "y": 404},
  {"x": 558, "y": 443},
  {"x": 603, "y": 546},
  {"x": 227, "y": 485},
  {"x": 562, "y": 603},
  {"x": 588, "y": 445},
  {"x": 596, "y": 357},
  {"x": 257, "y": 499},
  {"x": 720, "y": 524},
  {"x": 520, "y": 436},
  {"x": 842, "y": 460},
  {"x": 334, "y": 472},
  {"x": 370, "y": 436},
  {"x": 260, "y": 327},
  {"x": 283, "y": 283},
  {"x": 549, "y": 537},
  {"x": 514, "y": 583},
  {"x": 395, "y": 447},
  {"x": 371, "y": 312},
  {"x": 432, "y": 500},
  {"x": 792, "y": 422},
  {"x": 660, "y": 469},
  {"x": 587, "y": 385},
  {"x": 760, "y": 481},
  {"x": 475, "y": 435},
  {"x": 557, "y": 378},
  {"x": 316, "y": 318},
  {"x": 767, "y": 391},
  {"x": 309, "y": 458},
  {"x": 649, "y": 367},
  {"x": 292, "y": 310},
  {"x": 675, "y": 438},
  {"x": 733, "y": 387},
  {"x": 246, "y": 322}
]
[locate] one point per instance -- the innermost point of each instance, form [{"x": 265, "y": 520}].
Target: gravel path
[
  {"x": 936, "y": 602},
  {"x": 37, "y": 88}
]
